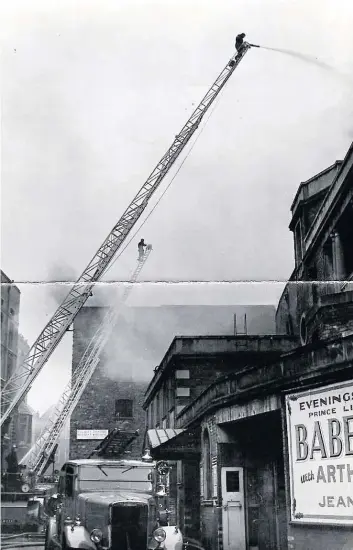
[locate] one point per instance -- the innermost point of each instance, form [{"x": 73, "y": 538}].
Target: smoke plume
[{"x": 61, "y": 278}]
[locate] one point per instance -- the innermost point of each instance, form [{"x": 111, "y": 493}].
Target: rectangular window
[
  {"x": 164, "y": 423},
  {"x": 183, "y": 392},
  {"x": 232, "y": 482},
  {"x": 123, "y": 408},
  {"x": 182, "y": 374}
]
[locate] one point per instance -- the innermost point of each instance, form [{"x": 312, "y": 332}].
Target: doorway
[
  {"x": 256, "y": 453},
  {"x": 233, "y": 511}
]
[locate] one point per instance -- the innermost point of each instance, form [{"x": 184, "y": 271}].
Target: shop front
[
  {"x": 243, "y": 502},
  {"x": 277, "y": 473}
]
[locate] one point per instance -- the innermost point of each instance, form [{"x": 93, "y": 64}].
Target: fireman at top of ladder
[
  {"x": 141, "y": 248},
  {"x": 239, "y": 42}
]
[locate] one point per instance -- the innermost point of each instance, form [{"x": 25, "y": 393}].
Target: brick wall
[
  {"x": 96, "y": 408},
  {"x": 210, "y": 527}
]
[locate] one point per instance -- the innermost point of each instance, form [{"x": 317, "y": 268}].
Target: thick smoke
[
  {"x": 143, "y": 335},
  {"x": 61, "y": 277}
]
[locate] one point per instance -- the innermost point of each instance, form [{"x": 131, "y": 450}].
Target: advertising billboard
[{"x": 320, "y": 446}]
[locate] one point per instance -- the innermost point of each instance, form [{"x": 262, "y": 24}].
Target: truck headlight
[
  {"x": 159, "y": 535},
  {"x": 96, "y": 536}
]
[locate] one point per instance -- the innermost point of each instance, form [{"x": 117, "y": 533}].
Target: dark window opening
[
  {"x": 61, "y": 485},
  {"x": 303, "y": 331},
  {"x": 298, "y": 243},
  {"x": 345, "y": 231},
  {"x": 69, "y": 481},
  {"x": 315, "y": 293},
  {"x": 289, "y": 326},
  {"x": 123, "y": 408},
  {"x": 12, "y": 311},
  {"x": 328, "y": 259},
  {"x": 315, "y": 336},
  {"x": 312, "y": 273},
  {"x": 232, "y": 482}
]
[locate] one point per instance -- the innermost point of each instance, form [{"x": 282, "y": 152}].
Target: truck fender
[
  {"x": 174, "y": 538},
  {"x": 78, "y": 538}
]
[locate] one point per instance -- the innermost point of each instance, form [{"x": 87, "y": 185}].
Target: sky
[{"x": 93, "y": 93}]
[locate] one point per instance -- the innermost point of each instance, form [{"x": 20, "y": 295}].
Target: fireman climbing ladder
[
  {"x": 22, "y": 379},
  {"x": 38, "y": 456}
]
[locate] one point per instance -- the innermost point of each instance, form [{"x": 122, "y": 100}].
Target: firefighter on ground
[
  {"x": 141, "y": 248},
  {"x": 239, "y": 42}
]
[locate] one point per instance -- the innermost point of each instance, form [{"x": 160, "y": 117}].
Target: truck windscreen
[{"x": 104, "y": 477}]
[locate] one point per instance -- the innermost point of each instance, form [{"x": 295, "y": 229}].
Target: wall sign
[
  {"x": 91, "y": 434},
  {"x": 320, "y": 444}
]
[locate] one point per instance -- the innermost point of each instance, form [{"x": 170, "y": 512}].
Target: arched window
[{"x": 207, "y": 468}]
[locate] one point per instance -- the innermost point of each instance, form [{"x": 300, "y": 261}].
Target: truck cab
[{"x": 104, "y": 504}]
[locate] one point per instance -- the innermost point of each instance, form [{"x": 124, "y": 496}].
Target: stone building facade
[
  {"x": 182, "y": 379},
  {"x": 317, "y": 301},
  {"x": 14, "y": 348},
  {"x": 269, "y": 441},
  {"x": 10, "y": 310}
]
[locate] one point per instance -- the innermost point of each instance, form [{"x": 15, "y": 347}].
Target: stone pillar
[{"x": 338, "y": 260}]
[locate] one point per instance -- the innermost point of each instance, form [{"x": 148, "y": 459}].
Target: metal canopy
[{"x": 173, "y": 443}]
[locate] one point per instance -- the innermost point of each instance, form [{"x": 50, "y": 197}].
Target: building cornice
[{"x": 302, "y": 366}]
